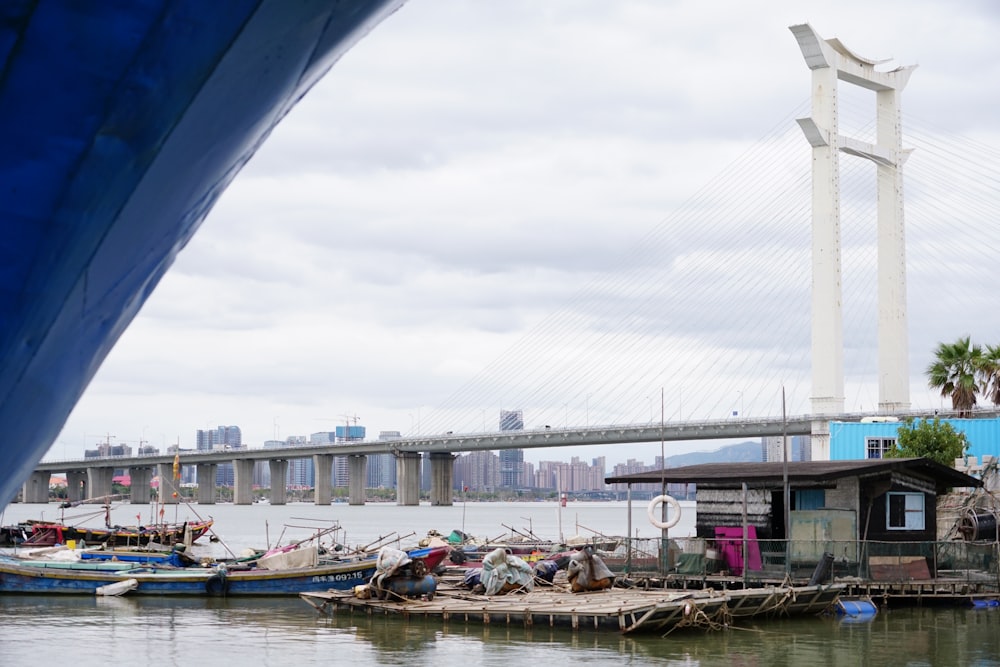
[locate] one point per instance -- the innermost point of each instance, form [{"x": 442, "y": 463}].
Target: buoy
[{"x": 655, "y": 520}]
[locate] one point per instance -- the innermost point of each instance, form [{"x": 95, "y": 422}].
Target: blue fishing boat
[
  {"x": 121, "y": 125},
  {"x": 87, "y": 576}
]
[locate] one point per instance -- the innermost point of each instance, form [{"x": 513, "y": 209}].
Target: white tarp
[{"x": 304, "y": 556}]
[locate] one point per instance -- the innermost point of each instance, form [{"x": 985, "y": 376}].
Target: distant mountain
[{"x": 744, "y": 452}]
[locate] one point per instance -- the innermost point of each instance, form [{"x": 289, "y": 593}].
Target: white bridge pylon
[{"x": 831, "y": 62}]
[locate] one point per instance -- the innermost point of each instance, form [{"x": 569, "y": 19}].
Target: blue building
[{"x": 870, "y": 440}]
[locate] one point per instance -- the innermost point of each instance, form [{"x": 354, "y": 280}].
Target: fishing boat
[
  {"x": 39, "y": 533},
  {"x": 307, "y": 571}
]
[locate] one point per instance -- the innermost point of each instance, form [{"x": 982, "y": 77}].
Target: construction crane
[{"x": 347, "y": 424}]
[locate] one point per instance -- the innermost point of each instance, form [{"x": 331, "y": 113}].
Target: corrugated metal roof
[{"x": 757, "y": 474}]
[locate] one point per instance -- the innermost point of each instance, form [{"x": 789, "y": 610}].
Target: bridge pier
[
  {"x": 323, "y": 469},
  {"x": 357, "y": 475},
  {"x": 168, "y": 493},
  {"x": 139, "y": 489},
  {"x": 206, "y": 475},
  {"x": 279, "y": 475},
  {"x": 36, "y": 488},
  {"x": 442, "y": 478},
  {"x": 243, "y": 481},
  {"x": 76, "y": 485},
  {"x": 408, "y": 478},
  {"x": 99, "y": 481},
  {"x": 829, "y": 64}
]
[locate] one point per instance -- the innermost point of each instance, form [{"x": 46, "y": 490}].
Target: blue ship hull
[{"x": 121, "y": 123}]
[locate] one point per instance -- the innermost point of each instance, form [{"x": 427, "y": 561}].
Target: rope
[{"x": 697, "y": 618}]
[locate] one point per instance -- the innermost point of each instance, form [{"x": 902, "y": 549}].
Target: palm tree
[
  {"x": 990, "y": 373},
  {"x": 955, "y": 371}
]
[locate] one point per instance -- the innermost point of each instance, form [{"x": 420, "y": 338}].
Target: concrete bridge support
[
  {"x": 357, "y": 475},
  {"x": 323, "y": 469},
  {"x": 831, "y": 62},
  {"x": 76, "y": 485},
  {"x": 408, "y": 478},
  {"x": 139, "y": 491},
  {"x": 442, "y": 478},
  {"x": 243, "y": 481},
  {"x": 169, "y": 492},
  {"x": 279, "y": 487},
  {"x": 99, "y": 481},
  {"x": 36, "y": 488},
  {"x": 206, "y": 475}
]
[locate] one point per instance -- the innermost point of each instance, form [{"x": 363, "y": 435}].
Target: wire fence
[{"x": 828, "y": 560}]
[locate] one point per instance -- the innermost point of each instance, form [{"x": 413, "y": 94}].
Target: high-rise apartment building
[
  {"x": 382, "y": 467},
  {"x": 512, "y": 460},
  {"x": 511, "y": 420},
  {"x": 301, "y": 472},
  {"x": 479, "y": 471},
  {"x": 221, "y": 436}
]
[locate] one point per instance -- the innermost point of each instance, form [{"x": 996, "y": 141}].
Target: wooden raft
[{"x": 618, "y": 610}]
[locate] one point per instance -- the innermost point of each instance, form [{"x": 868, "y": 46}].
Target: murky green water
[
  {"x": 160, "y": 631},
  {"x": 50, "y": 631}
]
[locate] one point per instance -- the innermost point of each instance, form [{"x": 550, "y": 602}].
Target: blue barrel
[
  {"x": 412, "y": 587},
  {"x": 985, "y": 604},
  {"x": 856, "y": 608}
]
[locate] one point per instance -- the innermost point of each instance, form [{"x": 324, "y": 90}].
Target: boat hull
[{"x": 60, "y": 578}]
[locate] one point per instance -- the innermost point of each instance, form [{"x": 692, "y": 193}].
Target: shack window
[
  {"x": 810, "y": 499},
  {"x": 904, "y": 511},
  {"x": 876, "y": 448}
]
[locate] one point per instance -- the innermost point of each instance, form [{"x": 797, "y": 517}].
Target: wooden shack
[{"x": 834, "y": 506}]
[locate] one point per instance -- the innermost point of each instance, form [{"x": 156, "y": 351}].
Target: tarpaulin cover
[{"x": 503, "y": 571}]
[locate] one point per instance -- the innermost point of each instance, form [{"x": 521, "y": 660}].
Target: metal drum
[
  {"x": 412, "y": 587},
  {"x": 976, "y": 526}
]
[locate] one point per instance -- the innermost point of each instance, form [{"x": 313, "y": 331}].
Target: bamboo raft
[{"x": 617, "y": 609}]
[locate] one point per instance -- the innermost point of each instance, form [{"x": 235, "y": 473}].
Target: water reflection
[{"x": 263, "y": 631}]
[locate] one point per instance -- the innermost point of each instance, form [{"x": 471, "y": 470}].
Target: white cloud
[{"x": 459, "y": 176}]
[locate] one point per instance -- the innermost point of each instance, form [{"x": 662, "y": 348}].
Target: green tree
[
  {"x": 989, "y": 372},
  {"x": 955, "y": 371},
  {"x": 934, "y": 440}
]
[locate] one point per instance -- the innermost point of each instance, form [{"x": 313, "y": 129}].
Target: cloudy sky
[{"x": 457, "y": 178}]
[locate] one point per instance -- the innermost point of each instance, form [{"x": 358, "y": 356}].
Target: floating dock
[{"x": 622, "y": 610}]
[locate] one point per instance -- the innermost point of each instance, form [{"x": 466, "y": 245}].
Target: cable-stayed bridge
[{"x": 709, "y": 316}]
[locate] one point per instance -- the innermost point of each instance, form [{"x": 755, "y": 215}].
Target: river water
[{"x": 55, "y": 630}]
